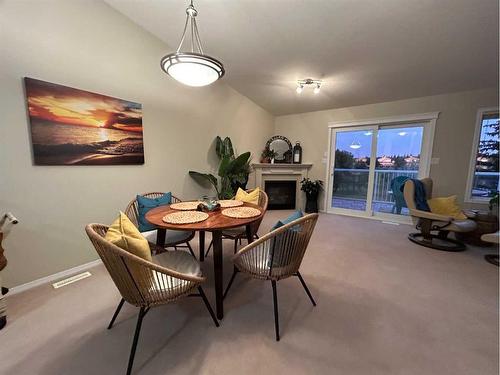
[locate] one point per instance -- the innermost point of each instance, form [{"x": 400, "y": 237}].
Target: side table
[{"x": 486, "y": 223}]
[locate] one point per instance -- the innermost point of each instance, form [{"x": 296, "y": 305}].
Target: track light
[{"x": 301, "y": 83}]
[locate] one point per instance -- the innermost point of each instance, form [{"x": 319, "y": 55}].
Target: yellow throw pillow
[
  {"x": 252, "y": 197},
  {"x": 124, "y": 234},
  {"x": 446, "y": 206}
]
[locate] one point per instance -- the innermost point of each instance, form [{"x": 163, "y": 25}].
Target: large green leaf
[
  {"x": 238, "y": 165},
  {"x": 224, "y": 166},
  {"x": 205, "y": 177},
  {"x": 224, "y": 148},
  {"x": 219, "y": 145}
]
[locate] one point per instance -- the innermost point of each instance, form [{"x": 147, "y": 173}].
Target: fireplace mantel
[
  {"x": 282, "y": 172},
  {"x": 281, "y": 165}
]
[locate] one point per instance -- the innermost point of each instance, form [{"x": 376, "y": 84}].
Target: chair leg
[
  {"x": 117, "y": 311},
  {"x": 142, "y": 313},
  {"x": 306, "y": 288},
  {"x": 207, "y": 304},
  {"x": 276, "y": 316},
  {"x": 235, "y": 245},
  {"x": 235, "y": 271},
  {"x": 190, "y": 249}
]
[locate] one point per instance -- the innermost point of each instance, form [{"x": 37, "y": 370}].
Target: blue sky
[{"x": 400, "y": 141}]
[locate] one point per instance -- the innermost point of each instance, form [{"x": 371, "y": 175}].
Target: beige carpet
[{"x": 385, "y": 306}]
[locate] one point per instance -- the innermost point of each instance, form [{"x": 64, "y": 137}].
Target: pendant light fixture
[{"x": 192, "y": 68}]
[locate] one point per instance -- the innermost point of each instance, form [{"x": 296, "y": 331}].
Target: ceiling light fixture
[
  {"x": 301, "y": 83},
  {"x": 192, "y": 68}
]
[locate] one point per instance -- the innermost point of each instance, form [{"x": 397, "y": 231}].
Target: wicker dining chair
[
  {"x": 276, "y": 256},
  {"x": 173, "y": 238},
  {"x": 239, "y": 233},
  {"x": 144, "y": 284}
]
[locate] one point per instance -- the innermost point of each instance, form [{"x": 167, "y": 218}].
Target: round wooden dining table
[{"x": 215, "y": 223}]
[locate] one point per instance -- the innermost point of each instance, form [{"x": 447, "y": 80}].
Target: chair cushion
[
  {"x": 172, "y": 236},
  {"x": 279, "y": 248},
  {"x": 252, "y": 197},
  {"x": 446, "y": 206},
  {"x": 125, "y": 235},
  {"x": 145, "y": 204},
  {"x": 461, "y": 226},
  {"x": 296, "y": 215},
  {"x": 179, "y": 261}
]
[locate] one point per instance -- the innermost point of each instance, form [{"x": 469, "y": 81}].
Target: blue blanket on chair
[{"x": 420, "y": 195}]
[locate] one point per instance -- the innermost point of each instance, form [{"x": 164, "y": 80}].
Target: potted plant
[
  {"x": 312, "y": 189},
  {"x": 233, "y": 170},
  {"x": 267, "y": 155}
]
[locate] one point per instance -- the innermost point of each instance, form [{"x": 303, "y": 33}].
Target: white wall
[
  {"x": 88, "y": 45},
  {"x": 452, "y": 138}
]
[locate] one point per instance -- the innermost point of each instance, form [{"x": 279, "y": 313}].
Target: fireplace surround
[
  {"x": 286, "y": 173},
  {"x": 282, "y": 194}
]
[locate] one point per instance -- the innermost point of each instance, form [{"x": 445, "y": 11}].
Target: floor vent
[
  {"x": 390, "y": 222},
  {"x": 71, "y": 280}
]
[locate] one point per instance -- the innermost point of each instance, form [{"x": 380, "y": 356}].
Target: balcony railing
[{"x": 353, "y": 183}]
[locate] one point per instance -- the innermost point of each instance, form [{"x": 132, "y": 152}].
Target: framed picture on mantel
[{"x": 76, "y": 127}]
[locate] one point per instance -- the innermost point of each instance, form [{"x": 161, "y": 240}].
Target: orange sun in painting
[{"x": 69, "y": 106}]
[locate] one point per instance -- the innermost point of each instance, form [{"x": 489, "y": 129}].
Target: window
[{"x": 484, "y": 174}]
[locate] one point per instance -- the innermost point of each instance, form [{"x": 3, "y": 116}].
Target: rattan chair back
[
  {"x": 278, "y": 254},
  {"x": 132, "y": 210},
  {"x": 140, "y": 282}
]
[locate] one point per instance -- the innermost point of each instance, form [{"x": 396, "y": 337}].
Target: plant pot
[{"x": 311, "y": 203}]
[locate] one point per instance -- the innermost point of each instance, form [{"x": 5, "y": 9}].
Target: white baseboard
[{"x": 54, "y": 277}]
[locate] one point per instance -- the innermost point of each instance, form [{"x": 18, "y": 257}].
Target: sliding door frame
[{"x": 427, "y": 120}]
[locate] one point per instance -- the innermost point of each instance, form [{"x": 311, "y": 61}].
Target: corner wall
[
  {"x": 90, "y": 46},
  {"x": 452, "y": 139}
]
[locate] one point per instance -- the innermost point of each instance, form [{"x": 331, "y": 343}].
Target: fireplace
[{"x": 281, "y": 194}]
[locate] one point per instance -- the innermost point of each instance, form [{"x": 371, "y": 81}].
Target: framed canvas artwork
[{"x": 76, "y": 127}]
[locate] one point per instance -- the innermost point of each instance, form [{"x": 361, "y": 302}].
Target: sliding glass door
[
  {"x": 351, "y": 178},
  {"x": 369, "y": 165}
]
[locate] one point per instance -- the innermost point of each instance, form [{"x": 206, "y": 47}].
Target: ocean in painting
[
  {"x": 71, "y": 126},
  {"x": 55, "y": 143}
]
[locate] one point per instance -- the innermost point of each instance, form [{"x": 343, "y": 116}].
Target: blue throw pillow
[
  {"x": 296, "y": 215},
  {"x": 146, "y": 204}
]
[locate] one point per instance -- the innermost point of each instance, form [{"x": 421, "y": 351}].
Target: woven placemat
[
  {"x": 226, "y": 203},
  {"x": 185, "y": 217},
  {"x": 185, "y": 206},
  {"x": 241, "y": 212}
]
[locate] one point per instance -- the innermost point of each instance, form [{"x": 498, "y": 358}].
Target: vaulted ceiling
[{"x": 365, "y": 51}]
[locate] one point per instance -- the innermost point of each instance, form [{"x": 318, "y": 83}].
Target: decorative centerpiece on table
[
  {"x": 312, "y": 189},
  {"x": 233, "y": 170},
  {"x": 208, "y": 204}
]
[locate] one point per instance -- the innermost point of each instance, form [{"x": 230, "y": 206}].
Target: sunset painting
[{"x": 76, "y": 127}]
